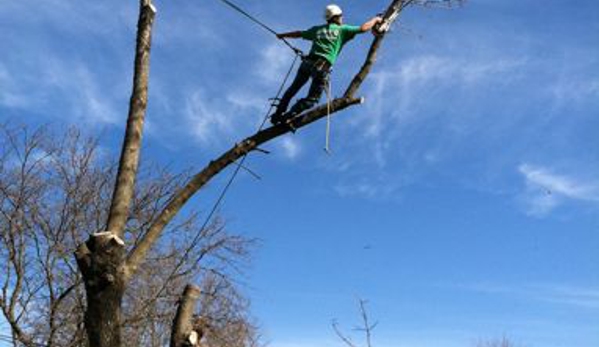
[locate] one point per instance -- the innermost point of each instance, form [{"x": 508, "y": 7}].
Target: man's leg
[
  {"x": 320, "y": 79},
  {"x": 303, "y": 75}
]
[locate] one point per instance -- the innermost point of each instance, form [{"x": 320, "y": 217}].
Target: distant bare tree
[
  {"x": 53, "y": 188},
  {"x": 501, "y": 342}
]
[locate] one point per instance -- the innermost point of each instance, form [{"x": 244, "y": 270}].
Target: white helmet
[{"x": 332, "y": 11}]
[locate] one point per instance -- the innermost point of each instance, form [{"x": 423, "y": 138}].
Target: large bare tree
[{"x": 55, "y": 190}]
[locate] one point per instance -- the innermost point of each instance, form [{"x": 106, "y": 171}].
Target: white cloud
[
  {"x": 77, "y": 85},
  {"x": 413, "y": 117},
  {"x": 427, "y": 68},
  {"x": 364, "y": 189},
  {"x": 214, "y": 119},
  {"x": 248, "y": 101},
  {"x": 546, "y": 190},
  {"x": 9, "y": 97},
  {"x": 581, "y": 297},
  {"x": 96, "y": 18},
  {"x": 291, "y": 147},
  {"x": 566, "y": 91},
  {"x": 53, "y": 83},
  {"x": 205, "y": 120},
  {"x": 62, "y": 59},
  {"x": 276, "y": 61},
  {"x": 400, "y": 94},
  {"x": 371, "y": 187}
]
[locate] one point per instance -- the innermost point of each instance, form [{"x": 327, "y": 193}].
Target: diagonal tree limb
[
  {"x": 138, "y": 253},
  {"x": 129, "y": 162}
]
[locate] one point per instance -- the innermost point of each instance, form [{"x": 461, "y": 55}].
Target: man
[{"x": 327, "y": 42}]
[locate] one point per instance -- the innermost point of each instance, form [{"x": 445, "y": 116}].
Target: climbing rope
[
  {"x": 296, "y": 50},
  {"x": 327, "y": 142}
]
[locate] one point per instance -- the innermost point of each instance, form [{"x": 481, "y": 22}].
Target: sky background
[{"x": 461, "y": 200}]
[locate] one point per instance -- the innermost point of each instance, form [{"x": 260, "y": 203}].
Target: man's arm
[
  {"x": 290, "y": 35},
  {"x": 370, "y": 24}
]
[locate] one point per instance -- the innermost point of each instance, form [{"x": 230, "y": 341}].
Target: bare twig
[{"x": 366, "y": 327}]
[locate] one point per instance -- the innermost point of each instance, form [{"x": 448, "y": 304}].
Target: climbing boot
[{"x": 277, "y": 118}]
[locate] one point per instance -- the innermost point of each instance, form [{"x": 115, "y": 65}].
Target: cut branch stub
[
  {"x": 100, "y": 260},
  {"x": 184, "y": 333}
]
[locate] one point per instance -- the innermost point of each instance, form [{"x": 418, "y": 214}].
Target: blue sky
[{"x": 461, "y": 200}]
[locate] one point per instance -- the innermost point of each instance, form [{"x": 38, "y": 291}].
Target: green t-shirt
[{"x": 328, "y": 39}]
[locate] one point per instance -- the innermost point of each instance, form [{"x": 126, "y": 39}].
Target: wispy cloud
[
  {"x": 545, "y": 190},
  {"x": 405, "y": 129},
  {"x": 571, "y": 90},
  {"x": 216, "y": 119},
  {"x": 427, "y": 68},
  {"x": 205, "y": 120},
  {"x": 9, "y": 95},
  {"x": 378, "y": 187},
  {"x": 55, "y": 82},
  {"x": 582, "y": 297},
  {"x": 97, "y": 18},
  {"x": 48, "y": 72},
  {"x": 274, "y": 63},
  {"x": 400, "y": 92}
]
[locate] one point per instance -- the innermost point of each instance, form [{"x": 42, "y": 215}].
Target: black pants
[{"x": 316, "y": 68}]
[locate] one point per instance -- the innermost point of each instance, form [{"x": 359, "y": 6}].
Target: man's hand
[
  {"x": 371, "y": 24},
  {"x": 375, "y": 28}
]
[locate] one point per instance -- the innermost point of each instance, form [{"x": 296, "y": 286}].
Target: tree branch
[{"x": 129, "y": 162}]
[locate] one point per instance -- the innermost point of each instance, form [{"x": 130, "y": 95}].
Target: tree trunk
[{"x": 100, "y": 260}]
